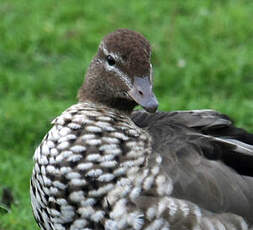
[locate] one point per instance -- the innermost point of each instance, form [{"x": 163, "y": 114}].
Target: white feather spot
[
  {"x": 110, "y": 140},
  {"x": 94, "y": 172},
  {"x": 127, "y": 164},
  {"x": 88, "y": 202},
  {"x": 94, "y": 142},
  {"x": 136, "y": 220},
  {"x": 69, "y": 137},
  {"x": 46, "y": 180},
  {"x": 135, "y": 193},
  {"x": 115, "y": 152},
  {"x": 101, "y": 191},
  {"x": 54, "y": 134},
  {"x": 111, "y": 225},
  {"x": 151, "y": 213},
  {"x": 43, "y": 169},
  {"x": 106, "y": 177},
  {"x": 57, "y": 225},
  {"x": 78, "y": 182},
  {"x": 102, "y": 124},
  {"x": 159, "y": 159},
  {"x": 162, "y": 206},
  {"x": 155, "y": 170},
  {"x": 63, "y": 145},
  {"x": 73, "y": 125},
  {"x": 51, "y": 169},
  {"x": 119, "y": 171},
  {"x": 148, "y": 182},
  {"x": 160, "y": 180},
  {"x": 63, "y": 155},
  {"x": 133, "y": 132},
  {"x": 61, "y": 202},
  {"x": 107, "y": 158},
  {"x": 52, "y": 160},
  {"x": 50, "y": 144},
  {"x": 104, "y": 118},
  {"x": 80, "y": 119},
  {"x": 131, "y": 144},
  {"x": 108, "y": 147},
  {"x": 85, "y": 166},
  {"x": 86, "y": 137},
  {"x": 76, "y": 196},
  {"x": 86, "y": 212},
  {"x": 75, "y": 158},
  {"x": 67, "y": 212},
  {"x": 54, "y": 152},
  {"x": 73, "y": 175},
  {"x": 59, "y": 185},
  {"x": 45, "y": 149},
  {"x": 65, "y": 131},
  {"x": 65, "y": 170},
  {"x": 59, "y": 121},
  {"x": 93, "y": 157},
  {"x": 66, "y": 116},
  {"x": 119, "y": 209},
  {"x": 43, "y": 160},
  {"x": 109, "y": 164},
  {"x": 120, "y": 136},
  {"x": 54, "y": 212},
  {"x": 93, "y": 129},
  {"x": 123, "y": 182},
  {"x": 78, "y": 224},
  {"x": 98, "y": 216},
  {"x": 53, "y": 190}
]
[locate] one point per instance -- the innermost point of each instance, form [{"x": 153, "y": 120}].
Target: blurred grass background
[{"x": 202, "y": 58}]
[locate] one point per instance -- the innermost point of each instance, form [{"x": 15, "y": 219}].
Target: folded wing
[{"x": 209, "y": 159}]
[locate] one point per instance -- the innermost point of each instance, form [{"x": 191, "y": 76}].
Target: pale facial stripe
[
  {"x": 106, "y": 52},
  {"x": 151, "y": 73},
  {"x": 124, "y": 77}
]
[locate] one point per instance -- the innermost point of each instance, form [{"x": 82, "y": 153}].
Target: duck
[{"x": 105, "y": 165}]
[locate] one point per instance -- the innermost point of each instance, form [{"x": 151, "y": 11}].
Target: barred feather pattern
[{"x": 95, "y": 169}]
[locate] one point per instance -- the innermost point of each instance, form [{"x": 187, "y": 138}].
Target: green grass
[{"x": 202, "y": 58}]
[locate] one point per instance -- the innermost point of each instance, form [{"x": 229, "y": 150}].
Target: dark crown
[{"x": 132, "y": 47}]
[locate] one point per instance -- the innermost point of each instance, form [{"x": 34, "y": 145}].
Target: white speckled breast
[{"x": 86, "y": 170}]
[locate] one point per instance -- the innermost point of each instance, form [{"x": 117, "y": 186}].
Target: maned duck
[{"x": 103, "y": 167}]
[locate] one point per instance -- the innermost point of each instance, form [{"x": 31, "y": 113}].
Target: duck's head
[{"x": 120, "y": 75}]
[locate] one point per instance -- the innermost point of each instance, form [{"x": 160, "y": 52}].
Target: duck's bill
[{"x": 143, "y": 95}]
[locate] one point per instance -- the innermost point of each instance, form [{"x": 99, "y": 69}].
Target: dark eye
[{"x": 110, "y": 60}]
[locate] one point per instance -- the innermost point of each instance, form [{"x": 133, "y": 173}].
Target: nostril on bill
[{"x": 140, "y": 92}]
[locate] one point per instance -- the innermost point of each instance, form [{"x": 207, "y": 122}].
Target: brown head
[{"x": 120, "y": 75}]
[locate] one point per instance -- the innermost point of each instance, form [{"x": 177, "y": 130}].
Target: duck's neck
[
  {"x": 99, "y": 96},
  {"x": 120, "y": 105}
]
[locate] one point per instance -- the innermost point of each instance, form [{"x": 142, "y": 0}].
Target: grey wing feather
[{"x": 208, "y": 159}]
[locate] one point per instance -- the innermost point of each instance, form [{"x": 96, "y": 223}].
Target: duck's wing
[{"x": 209, "y": 160}]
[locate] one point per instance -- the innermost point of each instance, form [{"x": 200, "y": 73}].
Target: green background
[{"x": 202, "y": 58}]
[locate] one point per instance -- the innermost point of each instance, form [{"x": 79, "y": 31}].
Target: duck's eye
[{"x": 110, "y": 60}]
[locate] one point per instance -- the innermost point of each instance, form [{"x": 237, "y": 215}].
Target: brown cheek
[{"x": 116, "y": 83}]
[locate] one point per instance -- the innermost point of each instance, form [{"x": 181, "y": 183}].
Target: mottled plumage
[{"x": 101, "y": 167}]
